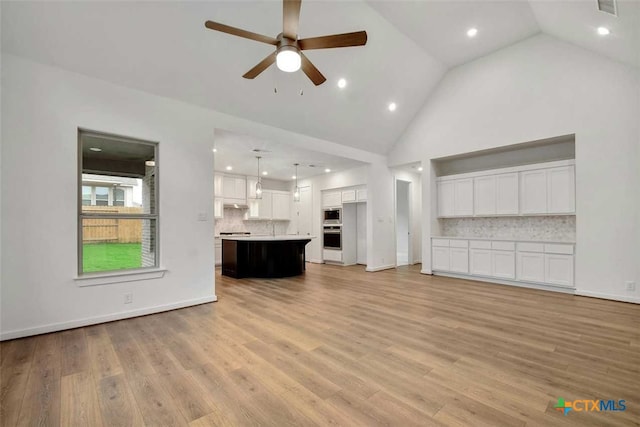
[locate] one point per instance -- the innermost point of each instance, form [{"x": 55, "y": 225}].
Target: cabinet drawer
[
  {"x": 331, "y": 255},
  {"x": 530, "y": 247},
  {"x": 440, "y": 242},
  {"x": 480, "y": 244},
  {"x": 552, "y": 248},
  {"x": 503, "y": 246},
  {"x": 459, "y": 243}
]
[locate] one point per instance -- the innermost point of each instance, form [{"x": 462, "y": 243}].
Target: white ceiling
[
  {"x": 278, "y": 159},
  {"x": 440, "y": 27},
  {"x": 164, "y": 48}
]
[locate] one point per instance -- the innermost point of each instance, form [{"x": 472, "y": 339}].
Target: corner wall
[
  {"x": 42, "y": 108},
  {"x": 537, "y": 89}
]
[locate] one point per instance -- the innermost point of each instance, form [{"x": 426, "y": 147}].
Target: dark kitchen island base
[{"x": 267, "y": 257}]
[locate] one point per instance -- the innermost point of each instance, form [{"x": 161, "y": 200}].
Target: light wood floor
[{"x": 336, "y": 347}]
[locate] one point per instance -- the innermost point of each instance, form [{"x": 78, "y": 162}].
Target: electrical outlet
[
  {"x": 128, "y": 298},
  {"x": 631, "y": 286}
]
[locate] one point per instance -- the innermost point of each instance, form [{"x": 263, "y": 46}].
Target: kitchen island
[{"x": 263, "y": 256}]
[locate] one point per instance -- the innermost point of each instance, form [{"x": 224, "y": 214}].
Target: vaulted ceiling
[{"x": 164, "y": 48}]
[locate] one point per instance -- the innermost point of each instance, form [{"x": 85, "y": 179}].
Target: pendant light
[
  {"x": 296, "y": 193},
  {"x": 259, "y": 183}
]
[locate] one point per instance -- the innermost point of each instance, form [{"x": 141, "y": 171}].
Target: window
[
  {"x": 86, "y": 195},
  {"x": 117, "y": 203},
  {"x": 102, "y": 196},
  {"x": 118, "y": 197}
]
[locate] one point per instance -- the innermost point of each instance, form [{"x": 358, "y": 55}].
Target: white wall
[
  {"x": 42, "y": 107},
  {"x": 536, "y": 89}
]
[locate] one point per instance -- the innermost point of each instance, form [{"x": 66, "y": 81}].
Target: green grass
[{"x": 110, "y": 256}]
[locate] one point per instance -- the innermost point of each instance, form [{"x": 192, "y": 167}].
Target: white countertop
[
  {"x": 267, "y": 238},
  {"x": 503, "y": 239}
]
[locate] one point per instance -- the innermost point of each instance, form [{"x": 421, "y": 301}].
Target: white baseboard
[
  {"x": 54, "y": 327},
  {"x": 529, "y": 285},
  {"x": 382, "y": 267},
  {"x": 315, "y": 261},
  {"x": 429, "y": 272},
  {"x": 621, "y": 298}
]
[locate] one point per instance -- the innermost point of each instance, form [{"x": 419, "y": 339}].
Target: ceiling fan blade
[
  {"x": 311, "y": 71},
  {"x": 240, "y": 33},
  {"x": 359, "y": 38},
  {"x": 290, "y": 18},
  {"x": 263, "y": 65}
]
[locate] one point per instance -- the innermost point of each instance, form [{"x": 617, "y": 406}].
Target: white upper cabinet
[
  {"x": 507, "y": 194},
  {"x": 561, "y": 195},
  {"x": 463, "y": 189},
  {"x": 217, "y": 185},
  {"x": 331, "y": 199},
  {"x": 533, "y": 192},
  {"x": 218, "y": 208},
  {"x": 361, "y": 195},
  {"x": 349, "y": 196},
  {"x": 446, "y": 198},
  {"x": 541, "y": 189},
  {"x": 281, "y": 206},
  {"x": 484, "y": 195},
  {"x": 234, "y": 189}
]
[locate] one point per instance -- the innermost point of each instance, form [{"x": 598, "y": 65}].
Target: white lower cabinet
[
  {"x": 332, "y": 255},
  {"x": 540, "y": 263},
  {"x": 531, "y": 267},
  {"x": 440, "y": 259},
  {"x": 218, "y": 252},
  {"x": 459, "y": 260},
  {"x": 558, "y": 269},
  {"x": 480, "y": 262},
  {"x": 503, "y": 264}
]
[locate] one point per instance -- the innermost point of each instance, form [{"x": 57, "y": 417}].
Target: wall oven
[
  {"x": 332, "y": 237},
  {"x": 332, "y": 216}
]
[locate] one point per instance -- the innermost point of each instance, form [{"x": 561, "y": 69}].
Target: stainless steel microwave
[{"x": 332, "y": 216}]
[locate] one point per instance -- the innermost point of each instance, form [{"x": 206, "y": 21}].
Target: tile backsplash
[
  {"x": 553, "y": 228},
  {"x": 233, "y": 221}
]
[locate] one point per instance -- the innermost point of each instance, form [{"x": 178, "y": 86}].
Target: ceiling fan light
[{"x": 288, "y": 59}]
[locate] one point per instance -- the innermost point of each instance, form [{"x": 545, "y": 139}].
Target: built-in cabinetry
[
  {"x": 336, "y": 198},
  {"x": 274, "y": 205},
  {"x": 529, "y": 262},
  {"x": 218, "y": 251},
  {"x": 540, "y": 189},
  {"x": 228, "y": 190},
  {"x": 218, "y": 203},
  {"x": 234, "y": 189}
]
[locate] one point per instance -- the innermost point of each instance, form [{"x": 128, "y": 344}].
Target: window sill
[{"x": 119, "y": 277}]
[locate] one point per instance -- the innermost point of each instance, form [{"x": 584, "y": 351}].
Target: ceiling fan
[{"x": 288, "y": 55}]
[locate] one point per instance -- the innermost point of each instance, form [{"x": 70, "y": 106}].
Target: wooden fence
[{"x": 102, "y": 230}]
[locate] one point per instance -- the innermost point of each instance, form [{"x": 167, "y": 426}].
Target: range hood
[{"x": 237, "y": 204}]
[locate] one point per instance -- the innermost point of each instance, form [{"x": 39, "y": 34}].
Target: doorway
[{"x": 403, "y": 222}]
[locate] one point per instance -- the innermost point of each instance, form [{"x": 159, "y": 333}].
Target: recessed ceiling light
[
  {"x": 150, "y": 163},
  {"x": 229, "y": 168},
  {"x": 342, "y": 83},
  {"x": 96, "y": 149},
  {"x": 472, "y": 32},
  {"x": 215, "y": 150},
  {"x": 265, "y": 173},
  {"x": 293, "y": 177},
  {"x": 603, "y": 31},
  {"x": 392, "y": 106},
  {"x": 327, "y": 170},
  {"x": 419, "y": 168}
]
